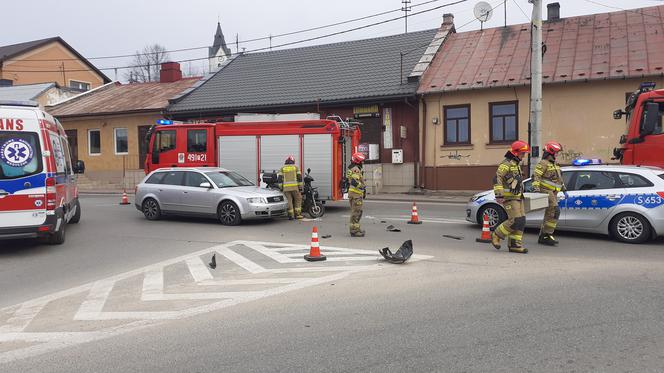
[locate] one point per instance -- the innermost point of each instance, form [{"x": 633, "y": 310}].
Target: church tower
[{"x": 219, "y": 52}]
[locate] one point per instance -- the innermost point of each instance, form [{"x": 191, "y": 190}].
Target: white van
[{"x": 38, "y": 192}]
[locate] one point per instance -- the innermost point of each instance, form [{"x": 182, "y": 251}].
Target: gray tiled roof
[
  {"x": 346, "y": 71},
  {"x": 24, "y": 92}
]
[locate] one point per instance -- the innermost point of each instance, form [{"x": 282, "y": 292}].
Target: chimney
[
  {"x": 448, "y": 19},
  {"x": 553, "y": 12},
  {"x": 170, "y": 72}
]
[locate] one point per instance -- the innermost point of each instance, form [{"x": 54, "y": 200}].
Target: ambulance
[{"x": 38, "y": 192}]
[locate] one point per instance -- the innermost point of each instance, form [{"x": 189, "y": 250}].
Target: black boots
[{"x": 547, "y": 239}]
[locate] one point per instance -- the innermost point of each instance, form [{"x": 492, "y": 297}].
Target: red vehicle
[
  {"x": 643, "y": 145},
  {"x": 254, "y": 148}
]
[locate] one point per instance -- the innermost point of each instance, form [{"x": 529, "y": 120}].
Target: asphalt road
[{"x": 591, "y": 304}]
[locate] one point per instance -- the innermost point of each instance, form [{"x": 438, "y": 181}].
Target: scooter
[{"x": 311, "y": 202}]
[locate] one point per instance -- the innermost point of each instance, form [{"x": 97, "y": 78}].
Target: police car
[
  {"x": 625, "y": 202},
  {"x": 38, "y": 192}
]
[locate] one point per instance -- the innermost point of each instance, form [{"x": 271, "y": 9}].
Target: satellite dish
[{"x": 483, "y": 11}]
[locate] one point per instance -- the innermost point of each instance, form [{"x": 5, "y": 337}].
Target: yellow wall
[
  {"x": 20, "y": 68},
  {"x": 108, "y": 160},
  {"x": 578, "y": 115}
]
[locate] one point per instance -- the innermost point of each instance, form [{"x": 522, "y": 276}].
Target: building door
[
  {"x": 372, "y": 132},
  {"x": 142, "y": 144},
  {"x": 72, "y": 137}
]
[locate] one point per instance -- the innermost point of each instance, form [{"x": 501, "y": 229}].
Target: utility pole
[
  {"x": 536, "y": 83},
  {"x": 405, "y": 9}
]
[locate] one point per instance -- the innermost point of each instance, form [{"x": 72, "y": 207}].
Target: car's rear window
[
  {"x": 661, "y": 176},
  {"x": 155, "y": 178},
  {"x": 20, "y": 155}
]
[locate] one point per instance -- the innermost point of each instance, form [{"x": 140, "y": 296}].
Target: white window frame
[
  {"x": 115, "y": 140},
  {"x": 80, "y": 82},
  {"x": 90, "y": 153}
]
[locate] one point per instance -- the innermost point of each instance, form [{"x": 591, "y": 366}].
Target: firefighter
[
  {"x": 508, "y": 187},
  {"x": 548, "y": 179},
  {"x": 290, "y": 182},
  {"x": 356, "y": 193}
]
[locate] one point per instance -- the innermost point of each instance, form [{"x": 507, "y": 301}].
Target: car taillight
[
  {"x": 50, "y": 193},
  {"x": 661, "y": 194}
]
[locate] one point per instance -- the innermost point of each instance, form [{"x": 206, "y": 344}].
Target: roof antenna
[{"x": 405, "y": 9}]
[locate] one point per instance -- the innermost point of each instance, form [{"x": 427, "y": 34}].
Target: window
[
  {"x": 196, "y": 141},
  {"x": 528, "y": 184},
  {"x": 194, "y": 179},
  {"x": 173, "y": 178},
  {"x": 658, "y": 128},
  {"x": 20, "y": 154},
  {"x": 66, "y": 147},
  {"x": 633, "y": 181},
  {"x": 457, "y": 124},
  {"x": 591, "y": 180},
  {"x": 94, "y": 142},
  {"x": 226, "y": 179},
  {"x": 164, "y": 141},
  {"x": 155, "y": 178},
  {"x": 121, "y": 146},
  {"x": 81, "y": 86},
  {"x": 504, "y": 125}
]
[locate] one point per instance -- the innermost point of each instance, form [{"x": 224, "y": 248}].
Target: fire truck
[
  {"x": 253, "y": 148},
  {"x": 643, "y": 144}
]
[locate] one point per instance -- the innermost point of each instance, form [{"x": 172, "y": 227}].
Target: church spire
[{"x": 219, "y": 52}]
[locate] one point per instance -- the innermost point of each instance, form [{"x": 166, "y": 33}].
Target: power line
[
  {"x": 623, "y": 9},
  {"x": 521, "y": 9},
  {"x": 265, "y": 48},
  {"x": 242, "y": 41}
]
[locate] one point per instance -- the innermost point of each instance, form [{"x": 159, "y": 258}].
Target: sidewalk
[{"x": 446, "y": 196}]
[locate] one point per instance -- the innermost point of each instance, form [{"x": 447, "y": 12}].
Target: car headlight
[
  {"x": 476, "y": 197},
  {"x": 256, "y": 200}
]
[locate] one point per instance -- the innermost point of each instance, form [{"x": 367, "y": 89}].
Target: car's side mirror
[
  {"x": 308, "y": 170},
  {"x": 79, "y": 167},
  {"x": 618, "y": 114},
  {"x": 206, "y": 185}
]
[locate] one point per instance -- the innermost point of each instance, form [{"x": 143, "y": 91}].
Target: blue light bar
[
  {"x": 647, "y": 85},
  {"x": 164, "y": 122},
  {"x": 586, "y": 162}
]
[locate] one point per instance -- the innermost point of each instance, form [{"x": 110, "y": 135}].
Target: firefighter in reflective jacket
[
  {"x": 356, "y": 193},
  {"x": 508, "y": 187},
  {"x": 290, "y": 182},
  {"x": 548, "y": 179}
]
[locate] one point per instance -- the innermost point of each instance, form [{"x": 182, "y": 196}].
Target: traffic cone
[
  {"x": 486, "y": 231},
  {"x": 314, "y": 252},
  {"x": 125, "y": 199},
  {"x": 414, "y": 218}
]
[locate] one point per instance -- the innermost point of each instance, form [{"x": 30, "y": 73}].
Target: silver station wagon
[
  {"x": 625, "y": 202},
  {"x": 207, "y": 191}
]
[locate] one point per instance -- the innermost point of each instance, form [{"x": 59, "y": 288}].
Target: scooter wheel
[{"x": 316, "y": 211}]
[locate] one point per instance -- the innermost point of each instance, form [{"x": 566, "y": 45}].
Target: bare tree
[{"x": 146, "y": 64}]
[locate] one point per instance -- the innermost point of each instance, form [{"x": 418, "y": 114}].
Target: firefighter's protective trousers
[
  {"x": 290, "y": 180},
  {"x": 356, "y": 190},
  {"x": 547, "y": 178},
  {"x": 513, "y": 227}
]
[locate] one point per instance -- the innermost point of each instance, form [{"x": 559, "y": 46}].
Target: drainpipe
[{"x": 423, "y": 153}]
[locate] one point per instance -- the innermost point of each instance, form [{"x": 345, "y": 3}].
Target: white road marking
[
  {"x": 98, "y": 293},
  {"x": 407, "y": 218},
  {"x": 198, "y": 269},
  {"x": 455, "y": 204}
]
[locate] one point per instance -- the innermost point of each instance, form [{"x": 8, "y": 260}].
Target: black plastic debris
[
  {"x": 383, "y": 222},
  {"x": 213, "y": 261},
  {"x": 401, "y": 255},
  {"x": 453, "y": 237},
  {"x": 392, "y": 228},
  {"x": 326, "y": 236}
]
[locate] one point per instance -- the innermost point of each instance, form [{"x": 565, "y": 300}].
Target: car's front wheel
[
  {"x": 229, "y": 213},
  {"x": 151, "y": 209},
  {"x": 495, "y": 213},
  {"x": 630, "y": 227}
]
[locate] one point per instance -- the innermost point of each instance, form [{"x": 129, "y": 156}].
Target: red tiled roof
[
  {"x": 623, "y": 44},
  {"x": 116, "y": 98}
]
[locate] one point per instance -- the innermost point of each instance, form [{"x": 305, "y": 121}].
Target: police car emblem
[
  {"x": 578, "y": 202},
  {"x": 593, "y": 202},
  {"x": 38, "y": 203},
  {"x": 16, "y": 152}
]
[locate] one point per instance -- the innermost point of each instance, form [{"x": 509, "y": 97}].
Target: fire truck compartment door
[
  {"x": 275, "y": 149},
  {"x": 318, "y": 157},
  {"x": 239, "y": 154}
]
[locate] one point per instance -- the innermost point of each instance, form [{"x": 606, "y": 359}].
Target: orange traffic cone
[
  {"x": 486, "y": 232},
  {"x": 125, "y": 199},
  {"x": 314, "y": 252},
  {"x": 414, "y": 218}
]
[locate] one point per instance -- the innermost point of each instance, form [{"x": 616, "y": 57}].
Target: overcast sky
[{"x": 122, "y": 27}]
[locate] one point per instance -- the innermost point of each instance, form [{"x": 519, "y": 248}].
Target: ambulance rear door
[{"x": 22, "y": 168}]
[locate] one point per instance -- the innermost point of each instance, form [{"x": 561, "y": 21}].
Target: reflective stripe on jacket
[
  {"x": 290, "y": 178},
  {"x": 508, "y": 181},
  {"x": 355, "y": 178},
  {"x": 547, "y": 176}
]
